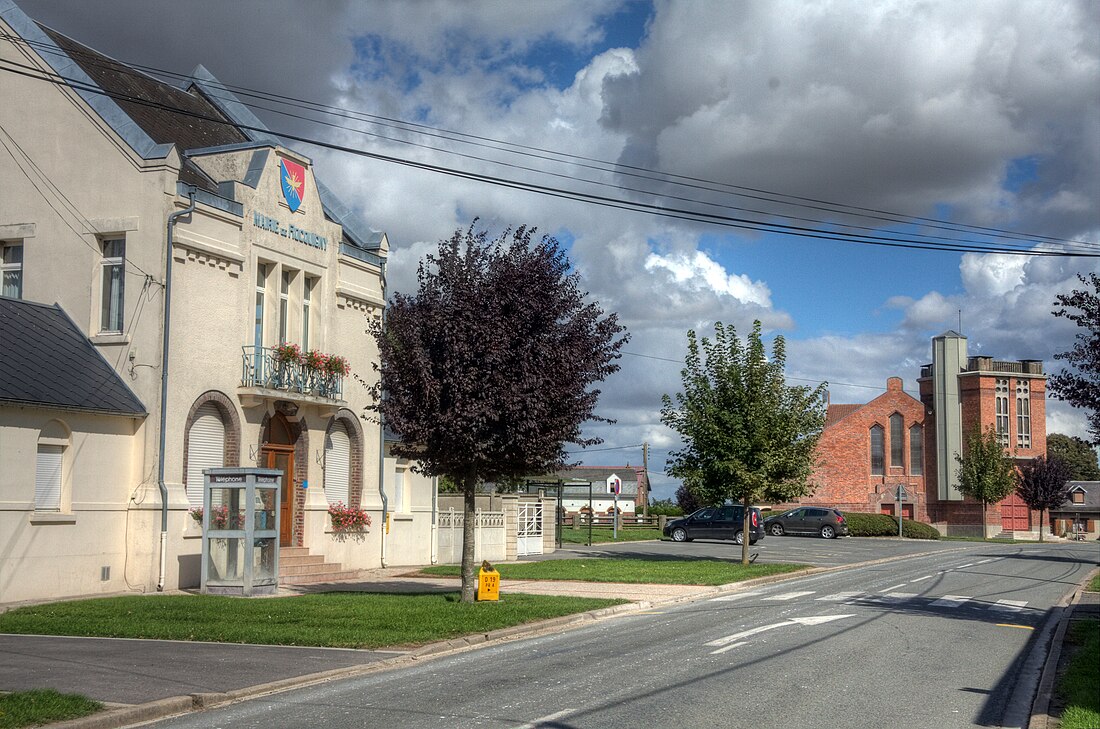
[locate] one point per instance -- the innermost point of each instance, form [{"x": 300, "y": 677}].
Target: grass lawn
[
  {"x": 42, "y": 706},
  {"x": 1094, "y": 584},
  {"x": 664, "y": 572},
  {"x": 336, "y": 619},
  {"x": 1078, "y": 686},
  {"x": 579, "y": 535}
]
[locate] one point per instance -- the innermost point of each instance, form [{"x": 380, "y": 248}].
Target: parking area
[{"x": 813, "y": 551}]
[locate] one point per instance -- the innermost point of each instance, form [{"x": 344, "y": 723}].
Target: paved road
[
  {"x": 805, "y": 550},
  {"x": 941, "y": 639}
]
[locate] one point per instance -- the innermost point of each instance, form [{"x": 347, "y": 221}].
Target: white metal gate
[{"x": 529, "y": 533}]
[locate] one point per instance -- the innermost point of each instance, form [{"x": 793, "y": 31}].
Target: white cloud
[{"x": 700, "y": 271}]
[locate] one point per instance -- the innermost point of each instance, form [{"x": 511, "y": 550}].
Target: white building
[{"x": 156, "y": 218}]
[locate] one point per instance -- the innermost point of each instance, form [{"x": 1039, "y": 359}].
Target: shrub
[
  {"x": 665, "y": 507},
  {"x": 883, "y": 525}
]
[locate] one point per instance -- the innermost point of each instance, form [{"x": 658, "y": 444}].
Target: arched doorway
[{"x": 277, "y": 452}]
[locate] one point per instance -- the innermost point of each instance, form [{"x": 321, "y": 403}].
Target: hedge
[{"x": 883, "y": 525}]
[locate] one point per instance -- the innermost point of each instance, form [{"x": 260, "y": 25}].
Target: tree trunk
[
  {"x": 745, "y": 532},
  {"x": 1041, "y": 524},
  {"x": 469, "y": 576},
  {"x": 985, "y": 534}
]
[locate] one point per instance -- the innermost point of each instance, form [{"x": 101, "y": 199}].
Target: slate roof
[
  {"x": 597, "y": 475},
  {"x": 46, "y": 361},
  {"x": 1092, "y": 498}
]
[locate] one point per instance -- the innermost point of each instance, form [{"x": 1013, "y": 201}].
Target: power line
[
  {"x": 555, "y": 156},
  {"x": 914, "y": 241}
]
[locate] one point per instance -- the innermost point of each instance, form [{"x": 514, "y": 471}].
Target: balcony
[{"x": 264, "y": 377}]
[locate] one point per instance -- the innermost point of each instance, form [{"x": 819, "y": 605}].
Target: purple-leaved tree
[
  {"x": 1044, "y": 485},
  {"x": 488, "y": 369}
]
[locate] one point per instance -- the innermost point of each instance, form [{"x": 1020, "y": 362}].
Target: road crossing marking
[
  {"x": 790, "y": 595},
  {"x": 840, "y": 597},
  {"x": 731, "y": 598},
  {"x": 892, "y": 597}
]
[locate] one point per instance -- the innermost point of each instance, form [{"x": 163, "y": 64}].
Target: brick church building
[{"x": 867, "y": 451}]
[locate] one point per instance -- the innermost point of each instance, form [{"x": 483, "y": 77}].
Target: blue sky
[{"x": 983, "y": 114}]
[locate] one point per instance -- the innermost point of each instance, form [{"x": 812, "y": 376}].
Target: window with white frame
[
  {"x": 49, "y": 474},
  {"x": 399, "y": 501},
  {"x": 261, "y": 288},
  {"x": 1023, "y": 414},
  {"x": 337, "y": 463},
  {"x": 284, "y": 305},
  {"x": 307, "y": 298},
  {"x": 1001, "y": 398},
  {"x": 114, "y": 285},
  {"x": 12, "y": 268},
  {"x": 205, "y": 449}
]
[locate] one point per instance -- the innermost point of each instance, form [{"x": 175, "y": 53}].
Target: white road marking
[
  {"x": 840, "y": 597},
  {"x": 951, "y": 601},
  {"x": 1009, "y": 606},
  {"x": 922, "y": 579},
  {"x": 790, "y": 595},
  {"x": 730, "y": 647},
  {"x": 723, "y": 644},
  {"x": 895, "y": 587},
  {"x": 543, "y": 720},
  {"x": 964, "y": 566},
  {"x": 991, "y": 559},
  {"x": 898, "y": 596},
  {"x": 731, "y": 598}
]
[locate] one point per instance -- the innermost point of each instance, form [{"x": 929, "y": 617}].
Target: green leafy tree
[
  {"x": 748, "y": 436},
  {"x": 686, "y": 500},
  {"x": 986, "y": 472},
  {"x": 1077, "y": 454},
  {"x": 489, "y": 368},
  {"x": 1044, "y": 485},
  {"x": 1079, "y": 384}
]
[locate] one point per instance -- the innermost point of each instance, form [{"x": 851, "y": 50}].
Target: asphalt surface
[{"x": 137, "y": 672}]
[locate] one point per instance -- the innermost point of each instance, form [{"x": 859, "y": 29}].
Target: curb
[
  {"x": 176, "y": 705},
  {"x": 1040, "y": 717}
]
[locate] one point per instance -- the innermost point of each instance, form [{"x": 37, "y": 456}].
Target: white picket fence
[{"x": 489, "y": 536}]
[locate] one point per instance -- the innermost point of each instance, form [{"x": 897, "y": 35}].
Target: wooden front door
[
  {"x": 283, "y": 460},
  {"x": 1014, "y": 515}
]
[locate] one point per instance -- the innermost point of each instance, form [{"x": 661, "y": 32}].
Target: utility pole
[{"x": 645, "y": 471}]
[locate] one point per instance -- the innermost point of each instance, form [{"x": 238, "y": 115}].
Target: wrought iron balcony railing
[{"x": 261, "y": 368}]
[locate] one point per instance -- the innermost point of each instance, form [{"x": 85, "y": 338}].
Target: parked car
[
  {"x": 829, "y": 523},
  {"x": 716, "y": 522}
]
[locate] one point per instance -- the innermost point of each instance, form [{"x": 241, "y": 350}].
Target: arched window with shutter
[
  {"x": 337, "y": 463},
  {"x": 205, "y": 448}
]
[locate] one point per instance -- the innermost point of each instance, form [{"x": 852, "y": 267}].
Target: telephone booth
[{"x": 240, "y": 531}]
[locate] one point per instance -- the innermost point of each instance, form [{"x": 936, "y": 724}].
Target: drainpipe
[
  {"x": 164, "y": 386},
  {"x": 435, "y": 519},
  {"x": 382, "y": 434}
]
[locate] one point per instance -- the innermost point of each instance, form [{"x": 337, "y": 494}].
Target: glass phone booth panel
[{"x": 240, "y": 525}]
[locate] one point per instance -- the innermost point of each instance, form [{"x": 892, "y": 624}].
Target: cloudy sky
[{"x": 980, "y": 113}]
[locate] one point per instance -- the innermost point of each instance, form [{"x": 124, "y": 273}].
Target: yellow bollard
[{"x": 488, "y": 582}]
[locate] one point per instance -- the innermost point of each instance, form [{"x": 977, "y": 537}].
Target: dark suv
[
  {"x": 829, "y": 523},
  {"x": 716, "y": 522}
]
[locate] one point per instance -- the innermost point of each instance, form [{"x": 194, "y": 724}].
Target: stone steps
[{"x": 298, "y": 567}]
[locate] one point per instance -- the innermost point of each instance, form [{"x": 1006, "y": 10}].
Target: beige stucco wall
[{"x": 215, "y": 256}]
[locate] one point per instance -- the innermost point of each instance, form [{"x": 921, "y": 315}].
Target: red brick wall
[{"x": 843, "y": 469}]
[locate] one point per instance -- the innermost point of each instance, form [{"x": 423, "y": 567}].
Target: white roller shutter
[
  {"x": 205, "y": 449},
  {"x": 337, "y": 463},
  {"x": 47, "y": 478}
]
